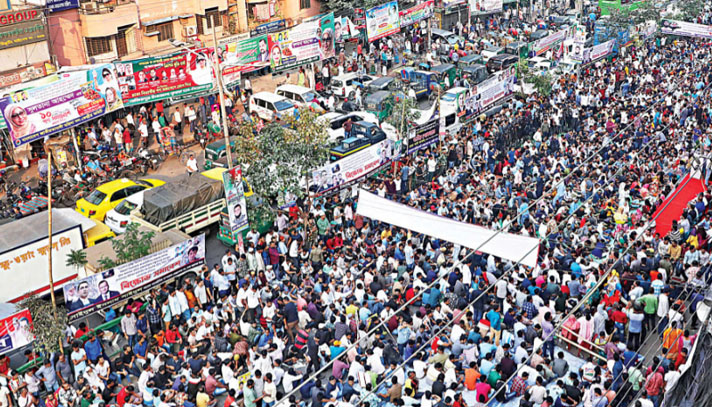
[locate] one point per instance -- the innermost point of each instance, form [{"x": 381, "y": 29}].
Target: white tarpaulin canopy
[{"x": 507, "y": 246}]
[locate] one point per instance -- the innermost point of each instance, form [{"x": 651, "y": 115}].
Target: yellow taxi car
[{"x": 108, "y": 195}]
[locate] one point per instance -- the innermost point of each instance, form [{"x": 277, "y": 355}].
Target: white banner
[
  {"x": 507, "y": 246},
  {"x": 351, "y": 168},
  {"x": 382, "y": 21},
  {"x": 106, "y": 289},
  {"x": 601, "y": 50},
  {"x": 486, "y": 6},
  {"x": 544, "y": 44},
  {"x": 685, "y": 29},
  {"x": 26, "y": 266},
  {"x": 235, "y": 199},
  {"x": 489, "y": 92}
]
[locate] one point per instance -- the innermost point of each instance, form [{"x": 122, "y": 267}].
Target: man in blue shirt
[
  {"x": 93, "y": 348},
  {"x": 495, "y": 322}
]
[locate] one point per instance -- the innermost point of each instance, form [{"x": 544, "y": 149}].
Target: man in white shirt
[{"x": 191, "y": 165}]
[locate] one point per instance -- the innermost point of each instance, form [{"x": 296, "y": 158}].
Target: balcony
[{"x": 104, "y": 19}]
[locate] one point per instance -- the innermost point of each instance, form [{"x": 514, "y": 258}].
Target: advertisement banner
[
  {"x": 25, "y": 74},
  {"x": 417, "y": 13},
  {"x": 22, "y": 33},
  {"x": 452, "y": 3},
  {"x": 156, "y": 78},
  {"x": 344, "y": 29},
  {"x": 486, "y": 6},
  {"x": 74, "y": 99},
  {"x": 235, "y": 199},
  {"x": 382, "y": 21},
  {"x": 424, "y": 135},
  {"x": 544, "y": 44},
  {"x": 306, "y": 43},
  {"x": 245, "y": 55},
  {"x": 106, "y": 289},
  {"x": 16, "y": 331},
  {"x": 61, "y": 5},
  {"x": 271, "y": 27},
  {"x": 489, "y": 92},
  {"x": 601, "y": 51},
  {"x": 339, "y": 174},
  {"x": 685, "y": 29},
  {"x": 29, "y": 262}
]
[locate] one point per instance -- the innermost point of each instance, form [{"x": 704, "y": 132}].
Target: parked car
[
  {"x": 489, "y": 52},
  {"x": 302, "y": 97},
  {"x": 269, "y": 106},
  {"x": 344, "y": 86},
  {"x": 502, "y": 61},
  {"x": 109, "y": 195},
  {"x": 336, "y": 122}
]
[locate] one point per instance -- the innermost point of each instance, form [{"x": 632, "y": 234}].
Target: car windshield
[
  {"x": 96, "y": 197},
  {"x": 125, "y": 207},
  {"x": 358, "y": 131},
  {"x": 336, "y": 83},
  {"x": 281, "y": 105},
  {"x": 449, "y": 97},
  {"x": 309, "y": 96}
]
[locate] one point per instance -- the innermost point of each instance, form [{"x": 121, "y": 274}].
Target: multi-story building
[
  {"x": 102, "y": 31},
  {"x": 24, "y": 46}
]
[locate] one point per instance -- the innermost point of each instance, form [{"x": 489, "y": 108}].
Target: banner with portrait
[
  {"x": 110, "y": 287},
  {"x": 235, "y": 199},
  {"x": 344, "y": 29},
  {"x": 243, "y": 55},
  {"x": 486, "y": 6},
  {"x": 156, "y": 78},
  {"x": 306, "y": 43},
  {"x": 35, "y": 113},
  {"x": 16, "y": 331},
  {"x": 414, "y": 14},
  {"x": 382, "y": 21},
  {"x": 489, "y": 92},
  {"x": 600, "y": 51},
  {"x": 344, "y": 172},
  {"x": 545, "y": 44},
  {"x": 685, "y": 29},
  {"x": 423, "y": 136}
]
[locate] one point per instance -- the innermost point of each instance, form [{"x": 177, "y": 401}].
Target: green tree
[
  {"x": 622, "y": 19},
  {"x": 279, "y": 159},
  {"x": 132, "y": 245},
  {"x": 689, "y": 10},
  {"x": 403, "y": 115},
  {"x": 76, "y": 259},
  {"x": 48, "y": 331}
]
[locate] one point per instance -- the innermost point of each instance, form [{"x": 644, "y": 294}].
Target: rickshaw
[
  {"x": 379, "y": 103},
  {"x": 443, "y": 72}
]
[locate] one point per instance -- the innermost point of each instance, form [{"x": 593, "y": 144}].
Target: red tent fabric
[{"x": 673, "y": 205}]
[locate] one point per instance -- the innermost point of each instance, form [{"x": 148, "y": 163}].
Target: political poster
[
  {"x": 306, "y": 43},
  {"x": 16, "y": 331},
  {"x": 414, "y": 14},
  {"x": 423, "y": 136},
  {"x": 486, "y": 6},
  {"x": 156, "y": 78},
  {"x": 344, "y": 172},
  {"x": 546, "y": 43},
  {"x": 489, "y": 92},
  {"x": 35, "y": 113},
  {"x": 382, "y": 21},
  {"x": 235, "y": 199},
  {"x": 110, "y": 287},
  {"x": 344, "y": 29},
  {"x": 272, "y": 26},
  {"x": 685, "y": 29},
  {"x": 29, "y": 261},
  {"x": 601, "y": 51}
]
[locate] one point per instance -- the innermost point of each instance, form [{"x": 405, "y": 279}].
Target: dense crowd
[{"x": 333, "y": 309}]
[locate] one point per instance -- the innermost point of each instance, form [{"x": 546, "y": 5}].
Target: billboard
[
  {"x": 544, "y": 44},
  {"x": 272, "y": 26},
  {"x": 243, "y": 55},
  {"x": 339, "y": 174},
  {"x": 486, "y": 6},
  {"x": 76, "y": 98},
  {"x": 685, "y": 29},
  {"x": 489, "y": 92},
  {"x": 61, "y": 5},
  {"x": 22, "y": 33},
  {"x": 306, "y": 43},
  {"x": 156, "y": 78},
  {"x": 344, "y": 29},
  {"x": 106, "y": 289},
  {"x": 22, "y": 264},
  {"x": 16, "y": 331},
  {"x": 600, "y": 51},
  {"x": 423, "y": 136},
  {"x": 235, "y": 199},
  {"x": 417, "y": 13},
  {"x": 382, "y": 21}
]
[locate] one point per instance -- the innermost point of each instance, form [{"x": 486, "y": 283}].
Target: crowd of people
[{"x": 333, "y": 309}]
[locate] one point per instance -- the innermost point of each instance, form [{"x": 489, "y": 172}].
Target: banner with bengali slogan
[
  {"x": 106, "y": 289},
  {"x": 306, "y": 43},
  {"x": 76, "y": 98},
  {"x": 685, "y": 29},
  {"x": 382, "y": 21},
  {"x": 235, "y": 199},
  {"x": 489, "y": 92},
  {"x": 417, "y": 13},
  {"x": 16, "y": 331},
  {"x": 423, "y": 136}
]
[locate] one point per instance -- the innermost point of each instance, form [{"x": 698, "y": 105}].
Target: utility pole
[
  {"x": 49, "y": 233},
  {"x": 218, "y": 76}
]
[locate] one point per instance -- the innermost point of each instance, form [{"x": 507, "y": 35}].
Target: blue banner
[
  {"x": 61, "y": 5},
  {"x": 270, "y": 27}
]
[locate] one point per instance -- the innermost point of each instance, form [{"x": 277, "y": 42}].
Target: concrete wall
[{"x": 66, "y": 38}]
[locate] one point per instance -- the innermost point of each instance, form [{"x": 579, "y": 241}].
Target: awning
[{"x": 159, "y": 21}]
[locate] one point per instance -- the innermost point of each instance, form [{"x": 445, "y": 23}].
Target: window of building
[
  {"x": 99, "y": 45},
  {"x": 304, "y": 4},
  {"x": 212, "y": 15},
  {"x": 164, "y": 30}
]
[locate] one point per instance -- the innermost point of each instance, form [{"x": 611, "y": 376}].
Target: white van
[
  {"x": 452, "y": 121},
  {"x": 119, "y": 217},
  {"x": 269, "y": 106},
  {"x": 345, "y": 85},
  {"x": 454, "y": 98},
  {"x": 301, "y": 96}
]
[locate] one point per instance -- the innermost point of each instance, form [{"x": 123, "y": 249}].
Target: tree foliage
[
  {"x": 76, "y": 259},
  {"x": 403, "y": 115},
  {"x": 689, "y": 10},
  {"x": 344, "y": 7},
  {"x": 132, "y": 245},
  {"x": 623, "y": 18},
  {"x": 48, "y": 331},
  {"x": 278, "y": 159}
]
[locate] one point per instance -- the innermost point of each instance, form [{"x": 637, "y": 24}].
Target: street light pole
[{"x": 218, "y": 76}]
